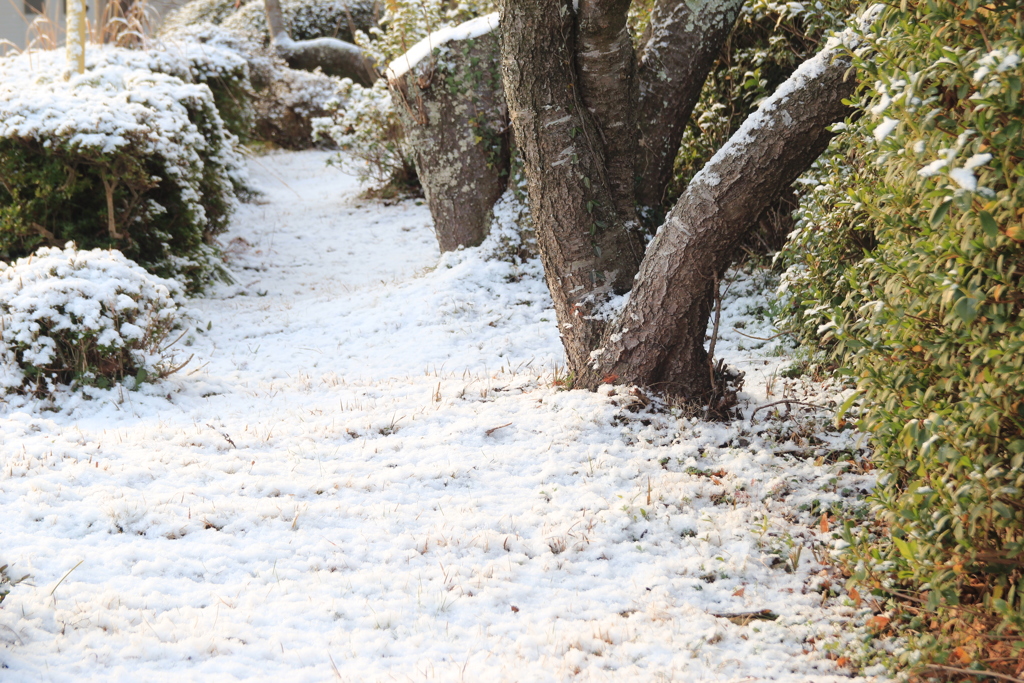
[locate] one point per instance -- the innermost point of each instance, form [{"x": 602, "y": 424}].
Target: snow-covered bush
[
  {"x": 72, "y": 318},
  {"x": 214, "y": 59},
  {"x": 120, "y": 156},
  {"x": 286, "y": 108},
  {"x": 366, "y": 127},
  {"x": 278, "y": 103},
  {"x": 304, "y": 19}
]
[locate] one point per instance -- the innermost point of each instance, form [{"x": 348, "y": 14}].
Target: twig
[
  {"x": 714, "y": 332},
  {"x": 787, "y": 401},
  {"x": 711, "y": 346},
  {"x": 990, "y": 674},
  {"x": 494, "y": 429},
  {"x": 771, "y": 338}
]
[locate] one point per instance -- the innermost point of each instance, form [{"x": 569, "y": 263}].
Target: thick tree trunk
[
  {"x": 455, "y": 120},
  {"x": 335, "y": 57},
  {"x": 681, "y": 47},
  {"x": 588, "y": 253},
  {"x": 658, "y": 339}
]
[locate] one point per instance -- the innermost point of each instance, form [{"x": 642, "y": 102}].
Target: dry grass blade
[
  {"x": 52, "y": 590},
  {"x": 972, "y": 672}
]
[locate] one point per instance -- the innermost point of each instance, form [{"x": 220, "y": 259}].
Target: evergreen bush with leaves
[
  {"x": 908, "y": 261},
  {"x": 120, "y": 156}
]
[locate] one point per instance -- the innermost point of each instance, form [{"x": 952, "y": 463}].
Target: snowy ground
[{"x": 368, "y": 473}]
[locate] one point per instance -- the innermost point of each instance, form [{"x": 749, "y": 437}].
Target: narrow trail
[{"x": 366, "y": 473}]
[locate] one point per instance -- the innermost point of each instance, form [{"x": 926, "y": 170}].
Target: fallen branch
[
  {"x": 771, "y": 338},
  {"x": 494, "y": 429},
  {"x": 787, "y": 401}
]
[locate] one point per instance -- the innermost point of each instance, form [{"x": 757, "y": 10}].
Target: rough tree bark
[
  {"x": 335, "y": 57},
  {"x": 454, "y": 116},
  {"x": 683, "y": 41},
  {"x": 579, "y": 104}
]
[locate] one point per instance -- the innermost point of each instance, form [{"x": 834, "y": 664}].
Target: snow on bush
[
  {"x": 70, "y": 317},
  {"x": 279, "y": 102},
  {"x": 120, "y": 156},
  {"x": 366, "y": 127},
  {"x": 304, "y": 19}
]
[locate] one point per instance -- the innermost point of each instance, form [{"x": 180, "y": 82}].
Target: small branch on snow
[
  {"x": 787, "y": 401},
  {"x": 494, "y": 429}
]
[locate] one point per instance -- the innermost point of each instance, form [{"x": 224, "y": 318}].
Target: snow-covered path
[{"x": 366, "y": 473}]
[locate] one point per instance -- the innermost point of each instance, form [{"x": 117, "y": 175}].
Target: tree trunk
[
  {"x": 334, "y": 57},
  {"x": 587, "y": 251},
  {"x": 658, "y": 339},
  {"x": 575, "y": 112},
  {"x": 455, "y": 120},
  {"x": 75, "y": 41},
  {"x": 681, "y": 48}
]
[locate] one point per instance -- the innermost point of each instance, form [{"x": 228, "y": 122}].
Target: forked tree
[{"x": 598, "y": 124}]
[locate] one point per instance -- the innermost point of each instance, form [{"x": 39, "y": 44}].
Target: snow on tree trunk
[
  {"x": 75, "y": 42},
  {"x": 448, "y": 93}
]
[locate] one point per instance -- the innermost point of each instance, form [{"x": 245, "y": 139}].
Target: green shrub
[
  {"x": 73, "y": 318},
  {"x": 117, "y": 157},
  {"x": 909, "y": 261}
]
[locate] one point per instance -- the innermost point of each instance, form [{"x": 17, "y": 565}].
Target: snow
[
  {"x": 883, "y": 129},
  {"x": 474, "y": 28},
  {"x": 368, "y": 473},
  {"x": 964, "y": 178}
]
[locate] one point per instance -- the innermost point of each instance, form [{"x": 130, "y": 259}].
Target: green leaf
[
  {"x": 988, "y": 224},
  {"x": 939, "y": 212},
  {"x": 966, "y": 309}
]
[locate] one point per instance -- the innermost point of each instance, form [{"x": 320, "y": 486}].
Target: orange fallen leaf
[
  {"x": 514, "y": 608},
  {"x": 879, "y": 622},
  {"x": 843, "y": 661},
  {"x": 824, "y": 523},
  {"x": 739, "y": 592},
  {"x": 855, "y": 596},
  {"x": 962, "y": 655}
]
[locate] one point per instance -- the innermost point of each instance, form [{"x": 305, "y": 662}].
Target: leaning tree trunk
[
  {"x": 658, "y": 339},
  {"x": 455, "y": 120},
  {"x": 575, "y": 109},
  {"x": 334, "y": 57}
]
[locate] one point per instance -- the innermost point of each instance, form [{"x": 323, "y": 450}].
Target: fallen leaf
[
  {"x": 855, "y": 596},
  {"x": 879, "y": 622},
  {"x": 962, "y": 655},
  {"x": 514, "y": 608},
  {"x": 824, "y": 523},
  {"x": 739, "y": 592},
  {"x": 843, "y": 661}
]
